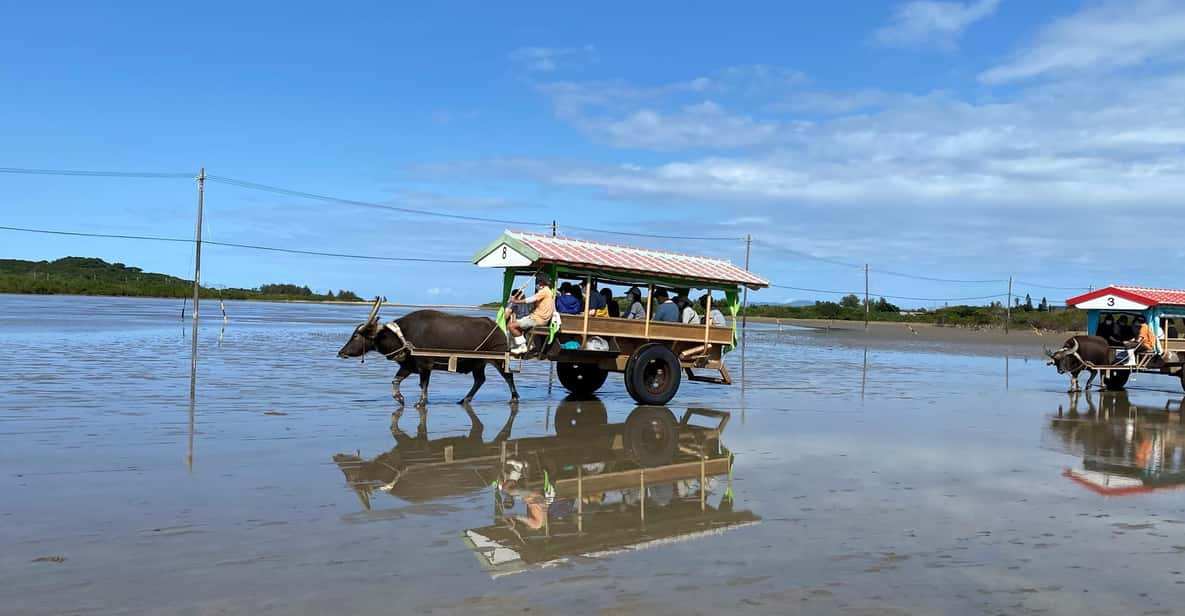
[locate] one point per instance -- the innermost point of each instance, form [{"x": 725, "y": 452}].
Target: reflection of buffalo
[
  {"x": 430, "y": 329},
  {"x": 416, "y": 469}
]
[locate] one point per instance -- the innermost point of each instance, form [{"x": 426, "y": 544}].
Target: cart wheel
[
  {"x": 577, "y": 413},
  {"x": 1116, "y": 381},
  {"x": 653, "y": 374},
  {"x": 652, "y": 435},
  {"x": 1182, "y": 378},
  {"x": 581, "y": 379}
]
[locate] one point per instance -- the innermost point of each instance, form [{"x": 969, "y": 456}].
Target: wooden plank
[
  {"x": 649, "y": 295},
  {"x": 622, "y": 480},
  {"x": 648, "y": 330},
  {"x": 587, "y": 303}
]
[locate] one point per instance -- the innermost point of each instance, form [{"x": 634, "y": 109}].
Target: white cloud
[
  {"x": 704, "y": 124},
  {"x": 438, "y": 291},
  {"x": 930, "y": 23},
  {"x": 1102, "y": 37},
  {"x": 548, "y": 59}
]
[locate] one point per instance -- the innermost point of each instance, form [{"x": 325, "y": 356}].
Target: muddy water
[{"x": 900, "y": 480}]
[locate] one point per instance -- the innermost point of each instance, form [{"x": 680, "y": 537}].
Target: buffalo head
[
  {"x": 1063, "y": 357},
  {"x": 362, "y": 340}
]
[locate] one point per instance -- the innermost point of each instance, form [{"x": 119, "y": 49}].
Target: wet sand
[{"x": 888, "y": 476}]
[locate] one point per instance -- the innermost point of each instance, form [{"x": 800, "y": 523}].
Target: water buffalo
[
  {"x": 430, "y": 329},
  {"x": 1074, "y": 352}
]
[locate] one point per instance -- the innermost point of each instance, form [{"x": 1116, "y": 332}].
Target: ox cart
[
  {"x": 1164, "y": 312},
  {"x": 653, "y": 356}
]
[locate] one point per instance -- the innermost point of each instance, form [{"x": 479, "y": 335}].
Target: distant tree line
[
  {"x": 92, "y": 276},
  {"x": 851, "y": 308}
]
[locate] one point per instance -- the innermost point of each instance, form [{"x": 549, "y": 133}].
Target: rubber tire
[
  {"x": 645, "y": 357},
  {"x": 1117, "y": 381},
  {"x": 1183, "y": 378},
  {"x": 581, "y": 379},
  {"x": 577, "y": 413},
  {"x": 652, "y": 435}
]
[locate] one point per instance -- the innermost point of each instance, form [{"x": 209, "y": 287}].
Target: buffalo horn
[
  {"x": 374, "y": 311},
  {"x": 1074, "y": 349}
]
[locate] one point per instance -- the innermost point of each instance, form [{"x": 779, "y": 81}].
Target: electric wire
[
  {"x": 178, "y": 240},
  {"x": 91, "y": 173}
]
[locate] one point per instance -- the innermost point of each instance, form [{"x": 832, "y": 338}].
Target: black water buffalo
[
  {"x": 430, "y": 329},
  {"x": 1074, "y": 352}
]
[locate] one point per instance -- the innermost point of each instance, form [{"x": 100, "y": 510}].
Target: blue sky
[{"x": 968, "y": 140}]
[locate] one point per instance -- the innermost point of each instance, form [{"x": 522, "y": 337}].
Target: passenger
[
  {"x": 1106, "y": 330},
  {"x": 596, "y": 303},
  {"x": 667, "y": 310},
  {"x": 687, "y": 314},
  {"x": 1145, "y": 339},
  {"x": 637, "y": 309},
  {"x": 1123, "y": 331},
  {"x": 611, "y": 305},
  {"x": 567, "y": 302},
  {"x": 520, "y": 310},
  {"x": 715, "y": 316},
  {"x": 544, "y": 303}
]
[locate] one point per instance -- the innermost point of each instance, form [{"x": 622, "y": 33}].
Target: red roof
[
  {"x": 1144, "y": 295},
  {"x": 659, "y": 263}
]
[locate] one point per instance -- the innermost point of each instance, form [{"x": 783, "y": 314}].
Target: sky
[{"x": 971, "y": 140}]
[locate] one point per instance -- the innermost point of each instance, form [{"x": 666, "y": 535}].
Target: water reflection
[
  {"x": 1125, "y": 448},
  {"x": 592, "y": 489}
]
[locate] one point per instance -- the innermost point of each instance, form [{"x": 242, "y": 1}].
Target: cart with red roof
[
  {"x": 1164, "y": 311},
  {"x": 652, "y": 356}
]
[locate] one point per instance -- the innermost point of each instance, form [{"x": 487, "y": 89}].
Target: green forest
[
  {"x": 1024, "y": 314},
  {"x": 92, "y": 276}
]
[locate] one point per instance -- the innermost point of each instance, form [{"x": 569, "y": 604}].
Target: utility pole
[
  {"x": 867, "y": 303},
  {"x": 553, "y": 228},
  {"x": 745, "y": 301},
  {"x": 197, "y": 272},
  {"x": 1008, "y": 308}
]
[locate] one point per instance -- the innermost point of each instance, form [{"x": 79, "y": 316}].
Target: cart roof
[
  {"x": 1126, "y": 297},
  {"x": 524, "y": 250}
]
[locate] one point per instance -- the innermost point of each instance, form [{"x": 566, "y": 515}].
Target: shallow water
[{"x": 892, "y": 480}]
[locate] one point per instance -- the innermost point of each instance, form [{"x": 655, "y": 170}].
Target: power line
[
  {"x": 105, "y": 174},
  {"x": 805, "y": 255},
  {"x": 1044, "y": 286},
  {"x": 178, "y": 240},
  {"x": 932, "y": 279},
  {"x": 782, "y": 286},
  {"x": 655, "y": 235},
  {"x": 331, "y": 199}
]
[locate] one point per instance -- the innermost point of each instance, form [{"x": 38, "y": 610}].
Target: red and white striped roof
[
  {"x": 1147, "y": 296},
  {"x": 616, "y": 257}
]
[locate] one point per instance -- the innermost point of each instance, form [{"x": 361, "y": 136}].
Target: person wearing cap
[
  {"x": 1145, "y": 339},
  {"x": 541, "y": 315},
  {"x": 667, "y": 310},
  {"x": 637, "y": 309}
]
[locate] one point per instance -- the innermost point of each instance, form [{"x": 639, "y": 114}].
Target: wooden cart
[
  {"x": 653, "y": 356},
  {"x": 1163, "y": 309}
]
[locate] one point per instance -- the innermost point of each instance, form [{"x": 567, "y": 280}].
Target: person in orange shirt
[{"x": 1145, "y": 338}]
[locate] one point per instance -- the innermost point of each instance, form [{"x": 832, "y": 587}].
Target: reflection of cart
[
  {"x": 653, "y": 356},
  {"x": 1125, "y": 448},
  {"x": 420, "y": 469},
  {"x": 1164, "y": 310}
]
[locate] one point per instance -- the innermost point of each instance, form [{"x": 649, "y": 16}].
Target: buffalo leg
[
  {"x": 479, "y": 379},
  {"x": 1074, "y": 382},
  {"x": 425, "y": 375},
  {"x": 399, "y": 376},
  {"x": 509, "y": 376},
  {"x": 1090, "y": 380},
  {"x": 504, "y": 433}
]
